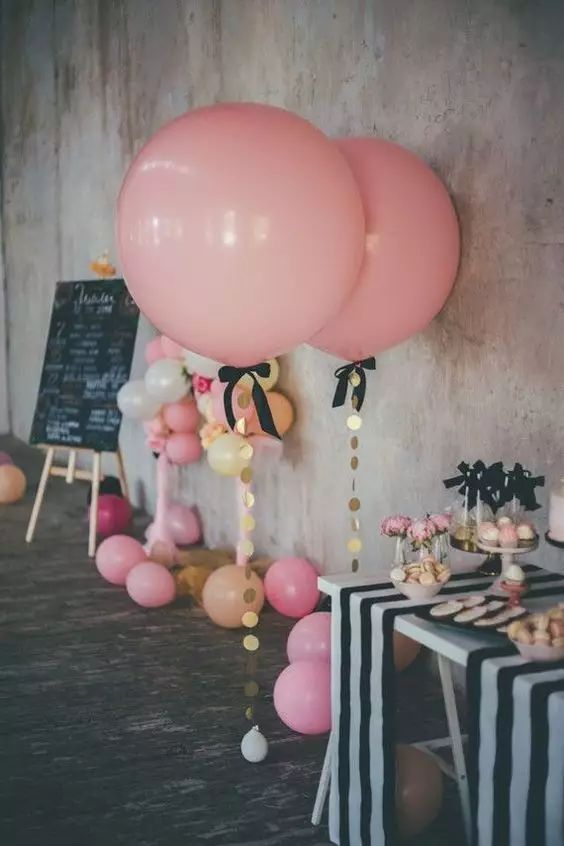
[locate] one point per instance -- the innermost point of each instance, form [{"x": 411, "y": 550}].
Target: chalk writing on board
[{"x": 87, "y": 360}]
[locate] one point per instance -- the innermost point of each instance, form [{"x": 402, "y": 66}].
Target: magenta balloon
[
  {"x": 411, "y": 256},
  {"x": 302, "y": 697},
  {"x": 310, "y": 639},
  {"x": 290, "y": 585},
  {"x": 5, "y": 458},
  {"x": 114, "y": 515},
  {"x": 183, "y": 523},
  {"x": 241, "y": 231}
]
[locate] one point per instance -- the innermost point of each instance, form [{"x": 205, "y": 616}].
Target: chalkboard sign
[{"x": 87, "y": 360}]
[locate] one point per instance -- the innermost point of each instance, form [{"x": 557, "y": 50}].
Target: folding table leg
[
  {"x": 456, "y": 740},
  {"x": 323, "y": 788}
]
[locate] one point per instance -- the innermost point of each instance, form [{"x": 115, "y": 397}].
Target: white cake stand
[{"x": 507, "y": 555}]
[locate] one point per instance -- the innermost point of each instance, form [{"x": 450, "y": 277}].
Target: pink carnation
[
  {"x": 421, "y": 531},
  {"x": 396, "y": 526},
  {"x": 441, "y": 522},
  {"x": 201, "y": 384}
]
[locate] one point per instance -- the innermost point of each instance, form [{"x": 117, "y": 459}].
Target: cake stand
[
  {"x": 490, "y": 566},
  {"x": 552, "y": 542},
  {"x": 507, "y": 557}
]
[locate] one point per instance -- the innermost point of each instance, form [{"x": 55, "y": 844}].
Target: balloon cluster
[
  {"x": 12, "y": 480},
  {"x": 121, "y": 560},
  {"x": 163, "y": 401}
]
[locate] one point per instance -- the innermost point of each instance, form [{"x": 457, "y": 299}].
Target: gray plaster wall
[{"x": 473, "y": 86}]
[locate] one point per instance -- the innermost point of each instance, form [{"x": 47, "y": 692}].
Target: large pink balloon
[
  {"x": 181, "y": 416},
  {"x": 302, "y": 697},
  {"x": 411, "y": 256},
  {"x": 116, "y": 556},
  {"x": 240, "y": 230},
  {"x": 183, "y": 448},
  {"x": 310, "y": 639},
  {"x": 290, "y": 585}
]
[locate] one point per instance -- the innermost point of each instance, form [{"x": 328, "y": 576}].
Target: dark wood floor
[{"x": 122, "y": 726}]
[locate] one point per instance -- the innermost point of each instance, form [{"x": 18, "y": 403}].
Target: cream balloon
[
  {"x": 419, "y": 790},
  {"x": 266, "y": 382},
  {"x": 166, "y": 380},
  {"x": 228, "y": 454},
  {"x": 135, "y": 402},
  {"x": 201, "y": 365}
]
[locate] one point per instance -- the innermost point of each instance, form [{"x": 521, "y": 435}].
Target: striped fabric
[{"x": 361, "y": 810}]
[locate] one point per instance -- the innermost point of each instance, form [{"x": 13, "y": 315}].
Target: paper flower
[
  {"x": 210, "y": 432},
  {"x": 201, "y": 384},
  {"x": 396, "y": 526}
]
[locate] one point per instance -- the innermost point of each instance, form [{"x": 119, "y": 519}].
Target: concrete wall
[
  {"x": 4, "y": 408},
  {"x": 474, "y": 88}
]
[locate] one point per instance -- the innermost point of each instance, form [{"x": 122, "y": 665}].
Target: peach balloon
[
  {"x": 226, "y": 593},
  {"x": 405, "y": 651},
  {"x": 182, "y": 416},
  {"x": 240, "y": 230},
  {"x": 12, "y": 484},
  {"x": 154, "y": 350},
  {"x": 411, "y": 255},
  {"x": 282, "y": 414},
  {"x": 183, "y": 448},
  {"x": 419, "y": 790},
  {"x": 171, "y": 349}
]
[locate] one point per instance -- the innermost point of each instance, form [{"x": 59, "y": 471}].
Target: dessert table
[{"x": 360, "y": 760}]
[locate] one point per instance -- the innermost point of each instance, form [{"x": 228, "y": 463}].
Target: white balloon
[
  {"x": 166, "y": 380},
  {"x": 134, "y": 401},
  {"x": 254, "y": 746},
  {"x": 201, "y": 365}
]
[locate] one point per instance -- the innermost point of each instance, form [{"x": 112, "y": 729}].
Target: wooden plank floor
[{"x": 122, "y": 726}]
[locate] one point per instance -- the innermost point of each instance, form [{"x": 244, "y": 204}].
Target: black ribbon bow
[
  {"x": 521, "y": 485},
  {"x": 343, "y": 375},
  {"x": 474, "y": 480},
  {"x": 233, "y": 375}
]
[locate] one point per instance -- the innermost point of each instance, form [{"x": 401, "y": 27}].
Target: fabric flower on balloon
[
  {"x": 201, "y": 384},
  {"x": 210, "y": 432},
  {"x": 396, "y": 526}
]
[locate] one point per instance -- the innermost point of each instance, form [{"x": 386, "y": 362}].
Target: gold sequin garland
[
  {"x": 250, "y": 619},
  {"x": 354, "y": 423}
]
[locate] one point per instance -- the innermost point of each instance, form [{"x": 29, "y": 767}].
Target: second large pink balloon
[
  {"x": 241, "y": 231},
  {"x": 411, "y": 253}
]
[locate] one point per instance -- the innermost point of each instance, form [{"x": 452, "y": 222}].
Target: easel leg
[
  {"x": 71, "y": 466},
  {"x": 456, "y": 740},
  {"x": 323, "y": 788},
  {"x": 121, "y": 474},
  {"x": 96, "y": 469},
  {"x": 39, "y": 495}
]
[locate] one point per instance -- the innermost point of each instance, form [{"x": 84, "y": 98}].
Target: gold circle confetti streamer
[
  {"x": 354, "y": 422},
  {"x": 250, "y": 619},
  {"x": 251, "y": 643}
]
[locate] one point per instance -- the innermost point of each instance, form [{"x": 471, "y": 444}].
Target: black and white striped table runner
[{"x": 362, "y": 799}]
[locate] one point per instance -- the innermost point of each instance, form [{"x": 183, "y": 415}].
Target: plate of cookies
[
  {"x": 421, "y": 579},
  {"x": 478, "y": 612},
  {"x": 540, "y": 636}
]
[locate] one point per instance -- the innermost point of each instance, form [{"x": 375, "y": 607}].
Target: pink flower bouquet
[
  {"x": 421, "y": 532},
  {"x": 396, "y": 526},
  {"x": 441, "y": 523}
]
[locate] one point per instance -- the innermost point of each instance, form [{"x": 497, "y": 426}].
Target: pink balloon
[
  {"x": 150, "y": 585},
  {"x": 171, "y": 349},
  {"x": 182, "y": 416},
  {"x": 183, "y": 524},
  {"x": 154, "y": 350},
  {"x": 5, "y": 458},
  {"x": 411, "y": 257},
  {"x": 183, "y": 448},
  {"x": 310, "y": 639},
  {"x": 217, "y": 391},
  {"x": 302, "y": 697},
  {"x": 240, "y": 230},
  {"x": 116, "y": 556},
  {"x": 114, "y": 515},
  {"x": 290, "y": 585}
]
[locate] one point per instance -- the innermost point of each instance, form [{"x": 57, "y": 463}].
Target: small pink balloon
[
  {"x": 183, "y": 523},
  {"x": 218, "y": 406},
  {"x": 116, "y": 556},
  {"x": 310, "y": 639},
  {"x": 171, "y": 349},
  {"x": 150, "y": 585},
  {"x": 182, "y": 416},
  {"x": 154, "y": 350},
  {"x": 5, "y": 458},
  {"x": 290, "y": 586},
  {"x": 183, "y": 448},
  {"x": 302, "y": 697},
  {"x": 114, "y": 515}
]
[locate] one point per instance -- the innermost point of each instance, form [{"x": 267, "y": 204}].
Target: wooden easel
[{"x": 70, "y": 473}]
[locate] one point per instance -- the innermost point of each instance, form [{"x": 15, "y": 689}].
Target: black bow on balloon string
[
  {"x": 495, "y": 485},
  {"x": 343, "y": 375},
  {"x": 233, "y": 375}
]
